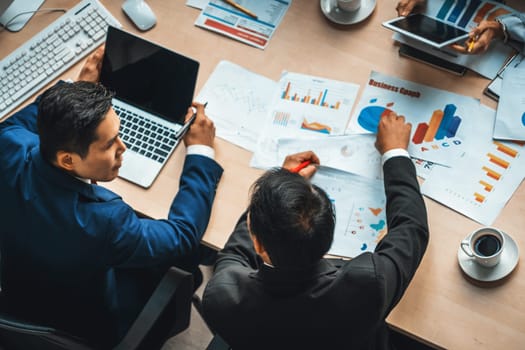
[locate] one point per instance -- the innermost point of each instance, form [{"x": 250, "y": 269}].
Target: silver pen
[{"x": 186, "y": 126}]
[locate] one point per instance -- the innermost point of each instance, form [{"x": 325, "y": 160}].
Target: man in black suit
[{"x": 273, "y": 289}]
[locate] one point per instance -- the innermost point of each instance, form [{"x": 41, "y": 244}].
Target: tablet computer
[{"x": 426, "y": 29}]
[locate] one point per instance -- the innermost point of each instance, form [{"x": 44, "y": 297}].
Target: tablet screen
[{"x": 427, "y": 29}]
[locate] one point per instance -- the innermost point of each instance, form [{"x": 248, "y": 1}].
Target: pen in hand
[
  {"x": 300, "y": 166},
  {"x": 471, "y": 45},
  {"x": 187, "y": 126}
]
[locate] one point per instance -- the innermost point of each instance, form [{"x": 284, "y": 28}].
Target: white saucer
[
  {"x": 508, "y": 261},
  {"x": 334, "y": 14}
]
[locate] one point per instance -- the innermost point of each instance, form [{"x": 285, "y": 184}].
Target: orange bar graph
[
  {"x": 337, "y": 105},
  {"x": 498, "y": 161},
  {"x": 433, "y": 125},
  {"x": 488, "y": 187},
  {"x": 506, "y": 149},
  {"x": 319, "y": 98},
  {"x": 287, "y": 91},
  {"x": 479, "y": 197},
  {"x": 491, "y": 173}
]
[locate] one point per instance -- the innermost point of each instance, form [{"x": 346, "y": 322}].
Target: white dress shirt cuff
[
  {"x": 396, "y": 152},
  {"x": 201, "y": 150}
]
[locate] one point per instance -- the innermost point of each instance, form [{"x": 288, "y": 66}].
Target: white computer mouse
[{"x": 140, "y": 13}]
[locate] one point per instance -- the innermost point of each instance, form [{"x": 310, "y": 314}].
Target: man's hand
[
  {"x": 293, "y": 160},
  {"x": 405, "y": 7},
  {"x": 392, "y": 132},
  {"x": 202, "y": 131},
  {"x": 480, "y": 37},
  {"x": 91, "y": 70}
]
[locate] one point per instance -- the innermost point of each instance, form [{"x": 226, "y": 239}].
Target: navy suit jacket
[
  {"x": 62, "y": 239},
  {"x": 334, "y": 304}
]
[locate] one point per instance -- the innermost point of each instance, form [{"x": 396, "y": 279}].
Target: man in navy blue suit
[{"x": 74, "y": 254}]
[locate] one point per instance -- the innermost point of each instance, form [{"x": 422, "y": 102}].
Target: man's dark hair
[
  {"x": 292, "y": 218},
  {"x": 68, "y": 116}
]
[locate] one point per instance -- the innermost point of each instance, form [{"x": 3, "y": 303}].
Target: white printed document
[
  {"x": 360, "y": 210},
  {"x": 220, "y": 17},
  {"x": 482, "y": 180},
  {"x": 510, "y": 115},
  {"x": 441, "y": 121},
  {"x": 238, "y": 103},
  {"x": 305, "y": 107}
]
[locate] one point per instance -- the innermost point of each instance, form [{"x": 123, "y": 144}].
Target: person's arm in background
[
  {"x": 406, "y": 7},
  {"x": 399, "y": 253},
  {"x": 509, "y": 28}
]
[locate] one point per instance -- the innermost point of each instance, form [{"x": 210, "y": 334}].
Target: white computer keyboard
[{"x": 52, "y": 51}]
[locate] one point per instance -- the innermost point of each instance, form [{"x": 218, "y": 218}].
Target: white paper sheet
[
  {"x": 225, "y": 19},
  {"x": 238, "y": 103},
  {"x": 510, "y": 115},
  {"x": 360, "y": 210},
  {"x": 440, "y": 119},
  {"x": 304, "y": 106},
  {"x": 482, "y": 180}
]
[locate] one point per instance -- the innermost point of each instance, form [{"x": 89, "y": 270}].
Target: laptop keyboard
[{"x": 145, "y": 137}]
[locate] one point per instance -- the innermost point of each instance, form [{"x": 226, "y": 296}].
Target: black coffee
[{"x": 487, "y": 245}]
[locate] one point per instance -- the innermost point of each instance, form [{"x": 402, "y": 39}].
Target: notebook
[{"x": 153, "y": 89}]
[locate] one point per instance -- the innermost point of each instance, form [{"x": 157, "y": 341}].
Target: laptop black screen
[{"x": 148, "y": 76}]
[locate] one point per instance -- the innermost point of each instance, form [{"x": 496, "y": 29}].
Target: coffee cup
[
  {"x": 348, "y": 5},
  {"x": 484, "y": 245}
]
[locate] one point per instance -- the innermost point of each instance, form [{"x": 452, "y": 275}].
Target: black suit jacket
[{"x": 334, "y": 304}]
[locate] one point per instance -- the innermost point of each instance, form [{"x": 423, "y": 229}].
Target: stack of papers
[{"x": 451, "y": 142}]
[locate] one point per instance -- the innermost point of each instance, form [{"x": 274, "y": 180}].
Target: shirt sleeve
[
  {"x": 396, "y": 152},
  {"x": 201, "y": 150},
  {"x": 514, "y": 23}
]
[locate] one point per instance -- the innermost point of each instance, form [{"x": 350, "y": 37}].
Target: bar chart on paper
[
  {"x": 479, "y": 185},
  {"x": 315, "y": 104},
  {"x": 310, "y": 97},
  {"x": 303, "y": 106},
  {"x": 462, "y": 13}
]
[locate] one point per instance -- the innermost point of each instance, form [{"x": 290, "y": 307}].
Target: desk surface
[{"x": 440, "y": 307}]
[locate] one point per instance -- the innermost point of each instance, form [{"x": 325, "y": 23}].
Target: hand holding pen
[
  {"x": 198, "y": 129},
  {"x": 480, "y": 37},
  {"x": 304, "y": 163}
]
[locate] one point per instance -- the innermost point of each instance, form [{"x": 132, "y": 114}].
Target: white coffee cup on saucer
[
  {"x": 349, "y": 5},
  {"x": 484, "y": 246}
]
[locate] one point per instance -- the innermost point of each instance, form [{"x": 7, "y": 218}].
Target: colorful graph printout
[
  {"x": 482, "y": 180},
  {"x": 439, "y": 118},
  {"x": 467, "y": 14},
  {"x": 220, "y": 17},
  {"x": 304, "y": 107},
  {"x": 360, "y": 211}
]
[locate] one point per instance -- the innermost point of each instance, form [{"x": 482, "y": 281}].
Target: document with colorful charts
[
  {"x": 303, "y": 106},
  {"x": 482, "y": 180},
  {"x": 440, "y": 119},
  {"x": 360, "y": 210},
  {"x": 238, "y": 102},
  {"x": 220, "y": 17},
  {"x": 467, "y": 15}
]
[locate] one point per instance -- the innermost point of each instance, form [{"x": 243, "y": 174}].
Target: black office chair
[{"x": 166, "y": 314}]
